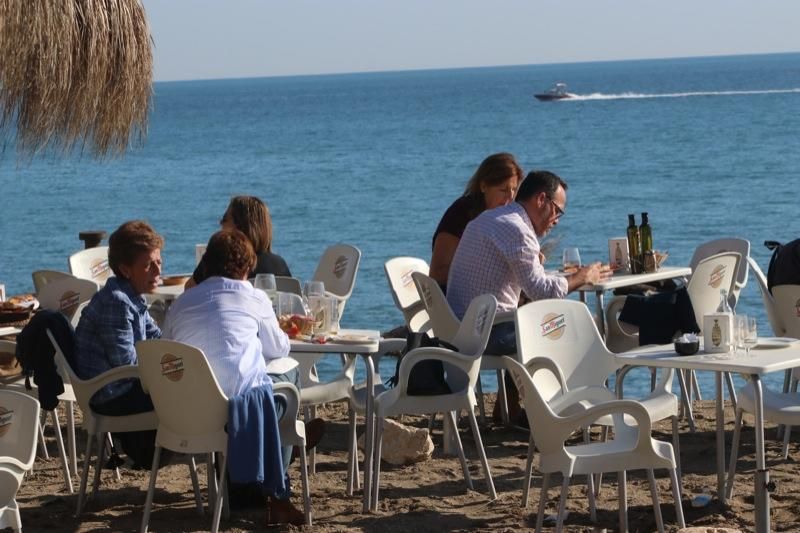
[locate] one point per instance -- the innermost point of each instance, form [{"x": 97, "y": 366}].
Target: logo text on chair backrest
[
  {"x": 68, "y": 302},
  {"x": 427, "y": 296},
  {"x": 553, "y": 326},
  {"x": 480, "y": 320},
  {"x": 172, "y": 367},
  {"x": 6, "y": 417},
  {"x": 406, "y": 278},
  {"x": 340, "y": 266},
  {"x": 98, "y": 268},
  {"x": 716, "y": 277}
]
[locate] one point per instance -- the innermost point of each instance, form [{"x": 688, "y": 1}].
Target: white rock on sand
[{"x": 403, "y": 445}]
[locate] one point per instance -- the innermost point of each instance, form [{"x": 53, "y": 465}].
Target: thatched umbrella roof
[{"x": 74, "y": 73}]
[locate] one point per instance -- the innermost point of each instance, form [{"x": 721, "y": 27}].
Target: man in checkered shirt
[{"x": 499, "y": 254}]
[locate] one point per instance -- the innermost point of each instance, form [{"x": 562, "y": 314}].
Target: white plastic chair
[
  {"x": 471, "y": 339},
  {"x": 631, "y": 449},
  {"x": 19, "y": 418},
  {"x": 775, "y": 322},
  {"x": 337, "y": 269},
  {"x": 288, "y": 284},
  {"x": 565, "y": 333},
  {"x": 91, "y": 263},
  {"x": 727, "y": 244},
  {"x": 404, "y": 293},
  {"x": 66, "y": 295},
  {"x": 69, "y": 463},
  {"x": 445, "y": 324},
  {"x": 43, "y": 277},
  {"x": 98, "y": 426}
]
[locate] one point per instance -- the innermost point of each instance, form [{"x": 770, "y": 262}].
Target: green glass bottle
[
  {"x": 634, "y": 251},
  {"x": 648, "y": 260}
]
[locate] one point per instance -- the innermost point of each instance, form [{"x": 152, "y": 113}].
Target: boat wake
[{"x": 632, "y": 96}]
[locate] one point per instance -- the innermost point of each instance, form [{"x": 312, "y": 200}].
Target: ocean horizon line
[{"x": 472, "y": 68}]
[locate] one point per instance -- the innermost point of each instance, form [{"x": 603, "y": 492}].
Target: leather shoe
[
  {"x": 284, "y": 512},
  {"x": 315, "y": 430}
]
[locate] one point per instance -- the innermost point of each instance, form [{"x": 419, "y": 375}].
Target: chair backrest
[
  {"x": 186, "y": 395},
  {"x": 728, "y": 244},
  {"x": 787, "y": 303},
  {"x": 43, "y": 277},
  {"x": 404, "y": 291},
  {"x": 92, "y": 264},
  {"x": 564, "y": 331},
  {"x": 443, "y": 323},
  {"x": 81, "y": 388},
  {"x": 66, "y": 295},
  {"x": 774, "y": 317},
  {"x": 708, "y": 277},
  {"x": 19, "y": 419},
  {"x": 288, "y": 284},
  {"x": 473, "y": 332},
  {"x": 337, "y": 269}
]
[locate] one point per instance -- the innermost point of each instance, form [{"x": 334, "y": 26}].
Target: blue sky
[{"x": 205, "y": 39}]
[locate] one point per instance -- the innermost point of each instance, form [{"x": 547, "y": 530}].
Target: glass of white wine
[
  {"x": 571, "y": 260},
  {"x": 266, "y": 282},
  {"x": 750, "y": 334}
]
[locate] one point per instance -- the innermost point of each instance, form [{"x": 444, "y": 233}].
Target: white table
[
  {"x": 626, "y": 280},
  {"x": 775, "y": 355},
  {"x": 167, "y": 293},
  {"x": 365, "y": 350}
]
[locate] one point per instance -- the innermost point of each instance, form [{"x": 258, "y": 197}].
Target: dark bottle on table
[
  {"x": 648, "y": 254},
  {"x": 634, "y": 250}
]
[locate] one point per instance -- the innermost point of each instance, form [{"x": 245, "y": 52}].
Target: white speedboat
[{"x": 556, "y": 92}]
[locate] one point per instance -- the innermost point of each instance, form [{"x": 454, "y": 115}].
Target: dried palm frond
[{"x": 74, "y": 73}]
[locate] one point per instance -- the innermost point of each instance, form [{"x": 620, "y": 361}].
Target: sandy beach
[{"x": 431, "y": 496}]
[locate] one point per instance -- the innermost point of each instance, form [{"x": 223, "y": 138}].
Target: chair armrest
[
  {"x": 463, "y": 362},
  {"x": 390, "y": 345},
  {"x": 617, "y": 409},
  {"x": 593, "y": 395},
  {"x": 504, "y": 316},
  {"x": 115, "y": 374},
  {"x": 292, "y": 396},
  {"x": 545, "y": 363}
]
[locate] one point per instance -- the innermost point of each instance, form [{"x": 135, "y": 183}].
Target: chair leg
[
  {"x": 686, "y": 398},
  {"x": 737, "y": 431},
  {"x": 622, "y": 493},
  {"x": 526, "y": 489},
  {"x": 787, "y": 432},
  {"x": 695, "y": 385},
  {"x": 542, "y": 501},
  {"x": 110, "y": 443},
  {"x": 220, "y": 493},
  {"x": 311, "y": 414},
  {"x": 198, "y": 500},
  {"x": 71, "y": 438},
  {"x": 676, "y": 444},
  {"x": 482, "y": 451},
  {"x": 87, "y": 459},
  {"x": 592, "y": 501},
  {"x": 502, "y": 396},
  {"x": 731, "y": 389},
  {"x": 461, "y": 457},
  {"x": 101, "y": 452},
  {"x": 211, "y": 480},
  {"x": 306, "y": 490},
  {"x": 151, "y": 489},
  {"x": 651, "y": 479},
  {"x": 376, "y": 467},
  {"x": 352, "y": 451},
  {"x": 562, "y": 504},
  {"x": 61, "y": 451},
  {"x": 42, "y": 444},
  {"x": 676, "y": 495},
  {"x": 599, "y": 476},
  {"x": 481, "y": 406}
]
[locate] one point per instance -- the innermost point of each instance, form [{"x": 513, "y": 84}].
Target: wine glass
[
  {"x": 571, "y": 260},
  {"x": 739, "y": 332},
  {"x": 266, "y": 282},
  {"x": 750, "y": 334},
  {"x": 313, "y": 288}
]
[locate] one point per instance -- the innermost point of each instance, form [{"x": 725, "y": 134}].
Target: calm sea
[{"x": 708, "y": 146}]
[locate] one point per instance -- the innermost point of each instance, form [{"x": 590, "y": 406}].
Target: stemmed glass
[
  {"x": 266, "y": 282},
  {"x": 313, "y": 288},
  {"x": 750, "y": 334},
  {"x": 571, "y": 260}
]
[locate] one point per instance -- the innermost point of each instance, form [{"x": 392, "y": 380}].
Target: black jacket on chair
[{"x": 660, "y": 316}]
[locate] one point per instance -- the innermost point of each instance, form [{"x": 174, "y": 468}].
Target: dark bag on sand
[{"x": 427, "y": 377}]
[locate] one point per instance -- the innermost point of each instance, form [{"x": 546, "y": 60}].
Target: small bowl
[{"x": 687, "y": 348}]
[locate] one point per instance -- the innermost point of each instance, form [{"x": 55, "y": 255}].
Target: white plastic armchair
[
  {"x": 19, "y": 419},
  {"x": 727, "y": 244},
  {"x": 43, "y": 277},
  {"x": 471, "y": 339},
  {"x": 564, "y": 332},
  {"x": 288, "y": 284},
  {"x": 337, "y": 269},
  {"x": 406, "y": 297},
  {"x": 444, "y": 324},
  {"x": 98, "y": 426},
  {"x": 632, "y": 448},
  {"x": 66, "y": 295},
  {"x": 771, "y": 308},
  {"x": 91, "y": 263}
]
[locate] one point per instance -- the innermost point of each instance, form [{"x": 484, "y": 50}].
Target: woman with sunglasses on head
[
  {"x": 494, "y": 184},
  {"x": 249, "y": 215}
]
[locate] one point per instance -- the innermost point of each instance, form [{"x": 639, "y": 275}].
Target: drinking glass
[
  {"x": 739, "y": 332},
  {"x": 313, "y": 288},
  {"x": 266, "y": 282},
  {"x": 750, "y": 334},
  {"x": 571, "y": 259}
]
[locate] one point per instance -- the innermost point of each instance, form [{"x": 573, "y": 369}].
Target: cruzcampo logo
[
  {"x": 172, "y": 367},
  {"x": 6, "y": 417},
  {"x": 340, "y": 266},
  {"x": 99, "y": 268},
  {"x": 553, "y": 326},
  {"x": 716, "y": 277},
  {"x": 68, "y": 302}
]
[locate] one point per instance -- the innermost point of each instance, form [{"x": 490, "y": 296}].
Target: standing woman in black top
[
  {"x": 249, "y": 215},
  {"x": 494, "y": 184}
]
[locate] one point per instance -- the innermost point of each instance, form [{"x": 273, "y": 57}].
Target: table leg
[
  {"x": 761, "y": 477},
  {"x": 601, "y": 316},
  {"x": 720, "y": 438},
  {"x": 369, "y": 435}
]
